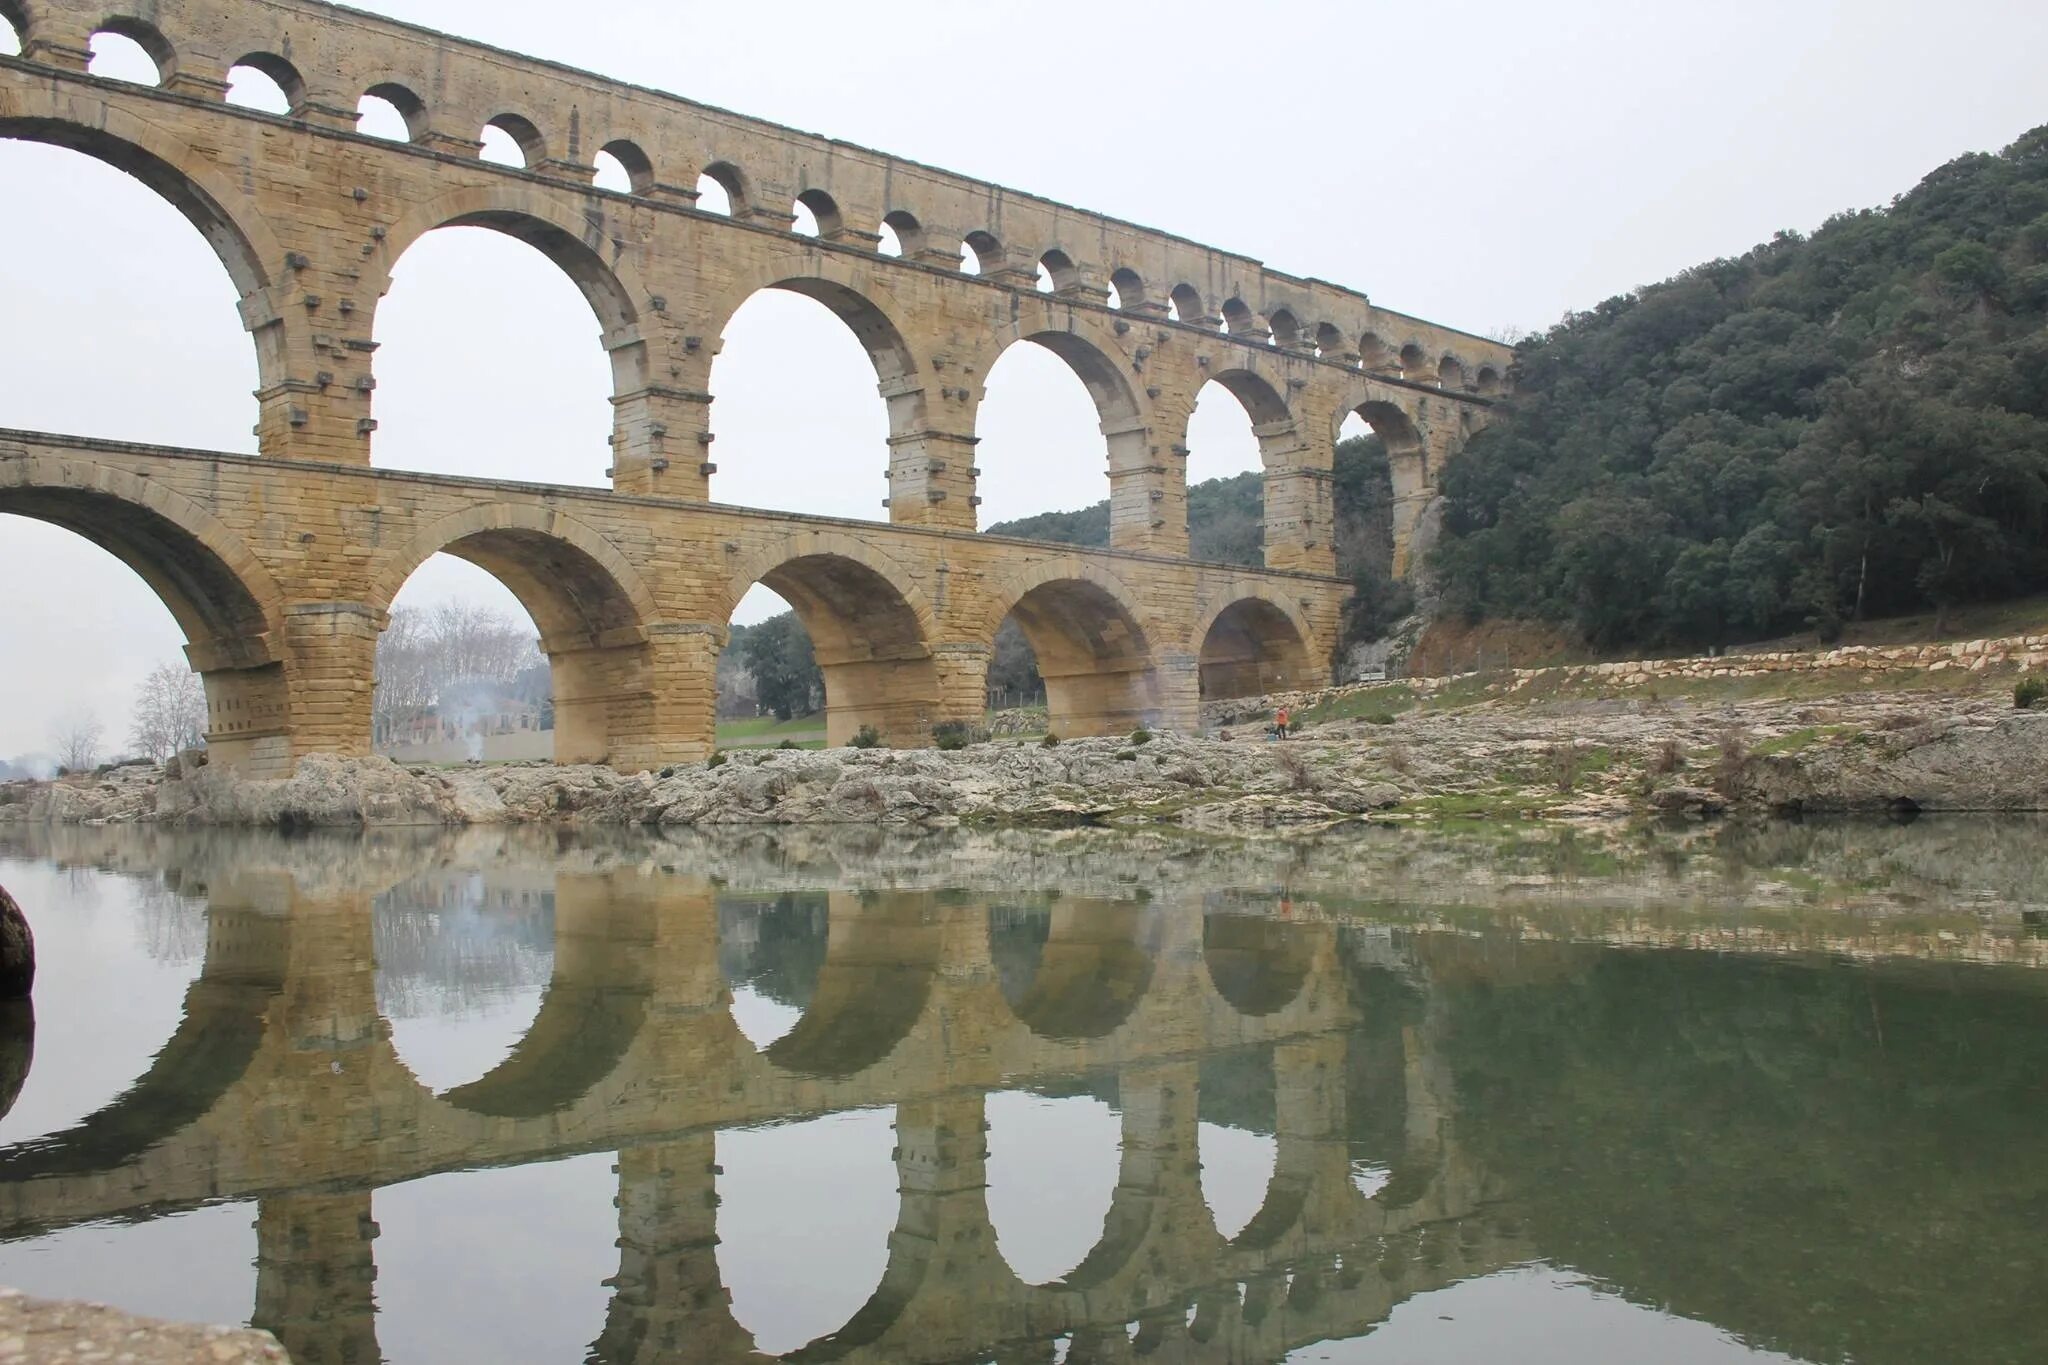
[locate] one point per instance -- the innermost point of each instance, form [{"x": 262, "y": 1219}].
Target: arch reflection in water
[
  {"x": 1449, "y": 1062},
  {"x": 805, "y": 1213},
  {"x": 1053, "y": 1163},
  {"x": 771, "y": 950}
]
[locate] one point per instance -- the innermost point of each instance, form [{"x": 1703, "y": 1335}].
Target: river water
[{"x": 1452, "y": 1097}]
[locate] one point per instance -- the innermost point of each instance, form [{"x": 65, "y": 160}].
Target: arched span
[
  {"x": 1074, "y": 969},
  {"x": 595, "y": 259},
  {"x": 1093, "y": 356},
  {"x": 591, "y": 1012},
  {"x": 1253, "y": 644},
  {"x": 1093, "y": 650},
  {"x": 871, "y": 631},
  {"x": 1387, "y": 411},
  {"x": 45, "y": 113},
  {"x": 881, "y": 956},
  {"x": 225, "y": 1019},
  {"x": 840, "y": 287},
  {"x": 213, "y": 585},
  {"x": 591, "y": 607},
  {"x": 1256, "y": 963}
]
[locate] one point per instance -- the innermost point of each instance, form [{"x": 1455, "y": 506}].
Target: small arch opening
[
  {"x": 1450, "y": 373},
  {"x": 1412, "y": 361},
  {"x": 510, "y": 140},
  {"x": 622, "y": 168},
  {"x": 815, "y": 214},
  {"x": 721, "y": 189},
  {"x": 1057, "y": 273},
  {"x": 1185, "y": 304},
  {"x": 1487, "y": 381},
  {"x": 980, "y": 254},
  {"x": 13, "y": 28},
  {"x": 1126, "y": 289},
  {"x": 1329, "y": 341},
  {"x": 1282, "y": 328},
  {"x": 900, "y": 234},
  {"x": 391, "y": 112},
  {"x": 1240, "y": 322},
  {"x": 1374, "y": 354},
  {"x": 130, "y": 50},
  {"x": 266, "y": 83}
]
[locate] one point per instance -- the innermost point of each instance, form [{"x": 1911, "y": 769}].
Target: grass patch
[{"x": 1366, "y": 703}]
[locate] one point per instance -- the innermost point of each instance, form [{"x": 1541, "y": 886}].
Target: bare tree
[
  {"x": 76, "y": 738},
  {"x": 170, "y": 713},
  {"x": 425, "y": 656}
]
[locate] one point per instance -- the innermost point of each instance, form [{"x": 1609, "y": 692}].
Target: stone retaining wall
[{"x": 1976, "y": 656}]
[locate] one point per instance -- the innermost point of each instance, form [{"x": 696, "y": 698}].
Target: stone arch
[
  {"x": 1272, "y": 421},
  {"x": 845, "y": 290},
  {"x": 985, "y": 252},
  {"x": 239, "y": 237},
  {"x": 1374, "y": 353},
  {"x": 410, "y": 106},
  {"x": 222, "y": 1030},
  {"x": 871, "y": 631},
  {"x": 14, "y": 14},
  {"x": 633, "y": 159},
  {"x": 1283, "y": 327},
  {"x": 1087, "y": 629},
  {"x": 593, "y": 611},
  {"x": 215, "y": 588},
  {"x": 824, "y": 211},
  {"x": 1329, "y": 340},
  {"x": 733, "y": 181},
  {"x": 1060, "y": 271},
  {"x": 525, "y": 134},
  {"x": 146, "y": 36},
  {"x": 1450, "y": 373},
  {"x": 1130, "y": 288},
  {"x": 881, "y": 960},
  {"x": 1258, "y": 964},
  {"x": 1487, "y": 381},
  {"x": 1240, "y": 322},
  {"x": 1390, "y": 413},
  {"x": 910, "y": 237},
  {"x": 1187, "y": 304},
  {"x": 590, "y": 1014},
  {"x": 1075, "y": 969},
  {"x": 1253, "y": 644},
  {"x": 279, "y": 70},
  {"x": 1413, "y": 360}
]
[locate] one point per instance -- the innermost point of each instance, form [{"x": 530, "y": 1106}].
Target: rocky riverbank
[{"x": 1564, "y": 759}]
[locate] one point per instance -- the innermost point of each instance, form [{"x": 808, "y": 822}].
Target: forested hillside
[{"x": 1830, "y": 427}]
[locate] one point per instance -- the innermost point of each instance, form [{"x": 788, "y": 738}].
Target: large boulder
[
  {"x": 17, "y": 951},
  {"x": 1956, "y": 764}
]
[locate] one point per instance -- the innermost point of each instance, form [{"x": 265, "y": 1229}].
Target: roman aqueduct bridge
[{"x": 281, "y": 567}]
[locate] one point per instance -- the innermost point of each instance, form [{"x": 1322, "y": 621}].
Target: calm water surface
[{"x": 521, "y": 1097}]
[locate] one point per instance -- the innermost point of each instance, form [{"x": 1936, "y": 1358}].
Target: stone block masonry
[{"x": 282, "y": 568}]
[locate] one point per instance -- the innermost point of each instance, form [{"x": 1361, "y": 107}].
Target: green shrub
[
  {"x": 1141, "y": 736},
  {"x": 2030, "y": 692},
  {"x": 1378, "y": 718},
  {"x": 867, "y": 737},
  {"x": 1127, "y": 756},
  {"x": 789, "y": 744},
  {"x": 952, "y": 734},
  {"x": 1051, "y": 741},
  {"x": 717, "y": 759}
]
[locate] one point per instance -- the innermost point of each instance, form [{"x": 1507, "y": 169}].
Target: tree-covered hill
[{"x": 1830, "y": 427}]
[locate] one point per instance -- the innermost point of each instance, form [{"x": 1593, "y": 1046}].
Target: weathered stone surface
[
  {"x": 1962, "y": 763},
  {"x": 54, "y": 1332}
]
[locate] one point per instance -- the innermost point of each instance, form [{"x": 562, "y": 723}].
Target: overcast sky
[{"x": 1483, "y": 165}]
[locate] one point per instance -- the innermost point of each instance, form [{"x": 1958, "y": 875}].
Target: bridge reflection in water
[{"x": 1788, "y": 1151}]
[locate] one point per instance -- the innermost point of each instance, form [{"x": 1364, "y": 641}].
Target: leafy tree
[
  {"x": 1830, "y": 427},
  {"x": 786, "y": 675}
]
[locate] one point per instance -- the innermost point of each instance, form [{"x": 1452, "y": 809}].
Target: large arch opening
[
  {"x": 798, "y": 421},
  {"x": 868, "y": 639},
  {"x": 472, "y": 311},
  {"x": 218, "y": 604},
  {"x": 1075, "y": 968},
  {"x": 1053, "y": 1165},
  {"x": 1091, "y": 657},
  {"x": 461, "y": 675},
  {"x": 863, "y": 982},
  {"x": 1253, "y": 648},
  {"x": 1041, "y": 449},
  {"x": 512, "y": 994},
  {"x": 1381, "y": 497},
  {"x": 805, "y": 1213},
  {"x": 1226, "y": 484},
  {"x": 770, "y": 951}
]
